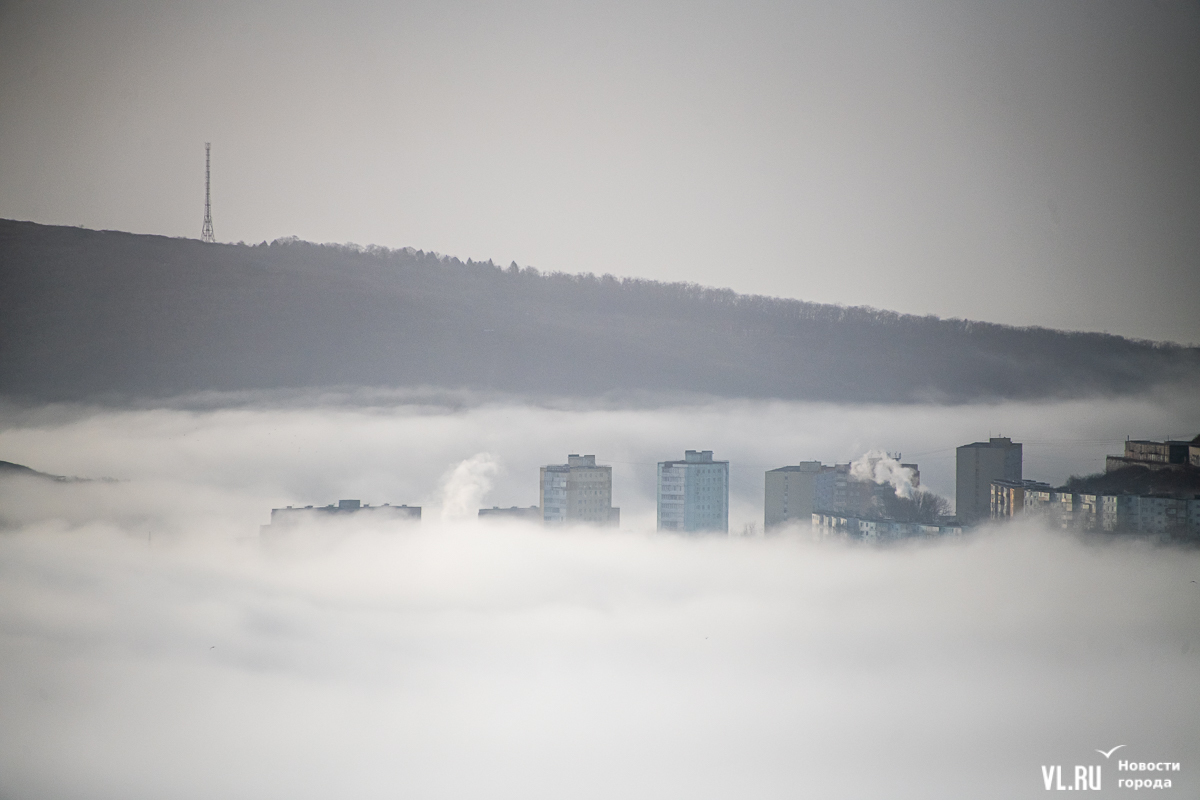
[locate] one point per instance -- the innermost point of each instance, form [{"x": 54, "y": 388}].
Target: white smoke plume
[
  {"x": 878, "y": 467},
  {"x": 464, "y": 486}
]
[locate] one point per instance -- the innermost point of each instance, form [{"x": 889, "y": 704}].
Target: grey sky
[{"x": 1028, "y": 163}]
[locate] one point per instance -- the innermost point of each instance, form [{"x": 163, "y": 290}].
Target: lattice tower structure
[{"x": 206, "y": 232}]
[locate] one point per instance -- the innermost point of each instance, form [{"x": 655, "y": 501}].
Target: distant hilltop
[
  {"x": 107, "y": 315},
  {"x": 10, "y": 470}
]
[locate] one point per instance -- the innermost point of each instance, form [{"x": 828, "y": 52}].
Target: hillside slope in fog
[{"x": 91, "y": 314}]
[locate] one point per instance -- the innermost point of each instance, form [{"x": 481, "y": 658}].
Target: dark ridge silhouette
[
  {"x": 11, "y": 470},
  {"x": 107, "y": 315},
  {"x": 1135, "y": 479}
]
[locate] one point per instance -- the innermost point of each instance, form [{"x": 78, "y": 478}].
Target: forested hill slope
[{"x": 88, "y": 314}]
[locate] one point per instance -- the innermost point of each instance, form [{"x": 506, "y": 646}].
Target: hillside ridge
[{"x": 87, "y": 314}]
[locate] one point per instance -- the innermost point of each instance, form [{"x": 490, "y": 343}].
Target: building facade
[
  {"x": 871, "y": 529},
  {"x": 289, "y": 518},
  {"x": 978, "y": 464},
  {"x": 837, "y": 491},
  {"x": 1156, "y": 455},
  {"x": 1008, "y": 498},
  {"x": 693, "y": 494},
  {"x": 578, "y": 492},
  {"x": 791, "y": 494},
  {"x": 1157, "y": 515},
  {"x": 531, "y": 514}
]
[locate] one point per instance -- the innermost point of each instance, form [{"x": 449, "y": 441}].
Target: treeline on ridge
[{"x": 94, "y": 314}]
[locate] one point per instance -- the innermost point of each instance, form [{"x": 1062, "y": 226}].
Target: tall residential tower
[
  {"x": 978, "y": 465},
  {"x": 579, "y": 491},
  {"x": 791, "y": 494},
  {"x": 693, "y": 494}
]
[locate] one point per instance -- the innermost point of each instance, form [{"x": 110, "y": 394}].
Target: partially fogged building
[
  {"x": 579, "y": 491},
  {"x": 1157, "y": 455},
  {"x": 1008, "y": 497},
  {"x": 790, "y": 495},
  {"x": 344, "y": 511},
  {"x": 874, "y": 529},
  {"x": 1173, "y": 517},
  {"x": 531, "y": 514},
  {"x": 837, "y": 491},
  {"x": 978, "y": 464},
  {"x": 693, "y": 494}
]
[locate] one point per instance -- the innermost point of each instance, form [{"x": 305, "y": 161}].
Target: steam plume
[
  {"x": 878, "y": 467},
  {"x": 464, "y": 486}
]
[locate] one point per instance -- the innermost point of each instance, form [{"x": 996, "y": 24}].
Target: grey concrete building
[
  {"x": 875, "y": 529},
  {"x": 531, "y": 514},
  {"x": 693, "y": 494},
  {"x": 578, "y": 492},
  {"x": 978, "y": 464},
  {"x": 837, "y": 492},
  {"x": 1008, "y": 497},
  {"x": 292, "y": 517},
  {"x": 791, "y": 494},
  {"x": 1156, "y": 455}
]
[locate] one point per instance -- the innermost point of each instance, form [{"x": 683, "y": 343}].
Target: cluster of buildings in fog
[
  {"x": 874, "y": 498},
  {"x": 1121, "y": 505},
  {"x": 989, "y": 486},
  {"x": 693, "y": 494}
]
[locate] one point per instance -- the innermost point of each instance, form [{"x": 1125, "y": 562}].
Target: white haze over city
[{"x": 151, "y": 645}]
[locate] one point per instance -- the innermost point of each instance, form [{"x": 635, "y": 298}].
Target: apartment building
[
  {"x": 693, "y": 494},
  {"x": 578, "y": 492}
]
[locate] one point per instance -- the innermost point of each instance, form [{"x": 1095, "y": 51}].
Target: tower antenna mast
[{"x": 206, "y": 233}]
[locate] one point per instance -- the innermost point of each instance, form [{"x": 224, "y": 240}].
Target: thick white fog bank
[
  {"x": 459, "y": 660},
  {"x": 154, "y": 645},
  {"x": 232, "y": 465}
]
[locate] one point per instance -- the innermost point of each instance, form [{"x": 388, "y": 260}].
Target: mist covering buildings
[
  {"x": 290, "y": 518},
  {"x": 387, "y": 658},
  {"x": 706, "y": 212},
  {"x": 1153, "y": 488}
]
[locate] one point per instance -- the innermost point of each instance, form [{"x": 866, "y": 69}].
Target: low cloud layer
[{"x": 232, "y": 465}]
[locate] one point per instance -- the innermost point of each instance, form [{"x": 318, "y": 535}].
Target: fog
[
  {"x": 230, "y": 459},
  {"x": 153, "y": 645}
]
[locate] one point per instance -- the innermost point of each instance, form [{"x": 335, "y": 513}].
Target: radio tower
[{"x": 206, "y": 233}]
